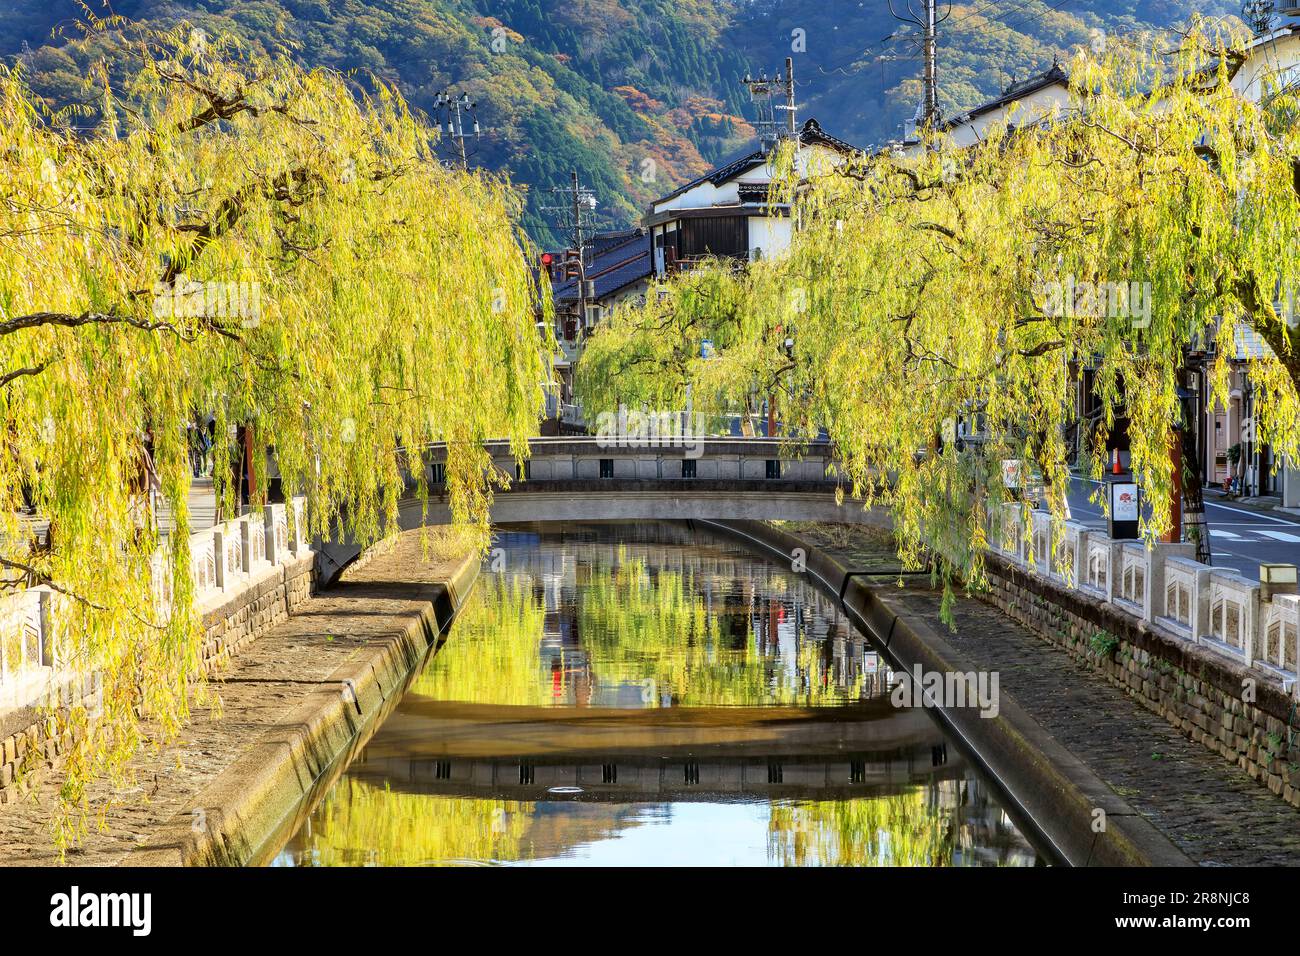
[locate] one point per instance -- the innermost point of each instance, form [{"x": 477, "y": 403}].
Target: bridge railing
[{"x": 657, "y": 458}]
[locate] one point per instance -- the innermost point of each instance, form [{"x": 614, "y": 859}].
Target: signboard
[
  {"x": 1125, "y": 507},
  {"x": 1012, "y": 472}
]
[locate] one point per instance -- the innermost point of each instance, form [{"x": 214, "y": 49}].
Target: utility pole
[
  {"x": 925, "y": 14},
  {"x": 788, "y": 84},
  {"x": 453, "y": 110},
  {"x": 761, "y": 93},
  {"x": 573, "y": 204},
  {"x": 931, "y": 74},
  {"x": 1259, "y": 14}
]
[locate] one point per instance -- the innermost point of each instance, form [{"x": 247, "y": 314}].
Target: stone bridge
[{"x": 590, "y": 479}]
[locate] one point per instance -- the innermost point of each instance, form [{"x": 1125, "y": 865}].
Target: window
[
  {"x": 438, "y": 473},
  {"x": 773, "y": 468},
  {"x": 524, "y": 472},
  {"x": 719, "y": 236},
  {"x": 607, "y": 468},
  {"x": 688, "y": 467}
]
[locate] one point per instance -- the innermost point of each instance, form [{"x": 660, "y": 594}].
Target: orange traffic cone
[{"x": 1115, "y": 469}]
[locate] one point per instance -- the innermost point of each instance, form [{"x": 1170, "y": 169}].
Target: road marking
[
  {"x": 1280, "y": 535},
  {"x": 1212, "y": 504},
  {"x": 1253, "y": 514},
  {"x": 1220, "y": 533}
]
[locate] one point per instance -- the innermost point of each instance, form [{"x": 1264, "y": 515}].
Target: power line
[{"x": 1051, "y": 8}]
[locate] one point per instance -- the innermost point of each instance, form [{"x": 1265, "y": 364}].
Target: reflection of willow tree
[
  {"x": 896, "y": 830},
  {"x": 391, "y": 828},
  {"x": 644, "y": 628},
  {"x": 493, "y": 654}
]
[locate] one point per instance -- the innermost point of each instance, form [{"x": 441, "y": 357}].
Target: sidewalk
[
  {"x": 1212, "y": 811},
  {"x": 283, "y": 687}
]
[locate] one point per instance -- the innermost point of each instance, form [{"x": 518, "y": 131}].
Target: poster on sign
[{"x": 1125, "y": 507}]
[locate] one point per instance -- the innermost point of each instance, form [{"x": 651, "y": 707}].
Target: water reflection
[{"x": 643, "y": 695}]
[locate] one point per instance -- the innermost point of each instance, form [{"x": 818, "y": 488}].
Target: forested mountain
[{"x": 636, "y": 95}]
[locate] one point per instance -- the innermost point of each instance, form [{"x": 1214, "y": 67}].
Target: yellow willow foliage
[
  {"x": 360, "y": 823},
  {"x": 494, "y": 654},
  {"x": 656, "y": 630},
  {"x": 919, "y": 289},
  {"x": 890, "y": 830},
  {"x": 243, "y": 237}
]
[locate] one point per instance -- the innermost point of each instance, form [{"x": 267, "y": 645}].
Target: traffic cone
[{"x": 1115, "y": 469}]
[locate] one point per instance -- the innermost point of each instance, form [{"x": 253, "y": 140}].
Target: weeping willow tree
[
  {"x": 1158, "y": 215},
  {"x": 383, "y": 302},
  {"x": 654, "y": 627},
  {"x": 361, "y": 824}
]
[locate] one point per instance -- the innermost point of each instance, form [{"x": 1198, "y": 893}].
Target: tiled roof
[
  {"x": 617, "y": 260},
  {"x": 1017, "y": 91},
  {"x": 811, "y": 132}
]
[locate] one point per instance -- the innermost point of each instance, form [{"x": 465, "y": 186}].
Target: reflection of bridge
[
  {"x": 522, "y": 753},
  {"x": 587, "y": 479}
]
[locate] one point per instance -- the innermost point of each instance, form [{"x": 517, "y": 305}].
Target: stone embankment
[
  {"x": 1124, "y": 733},
  {"x": 307, "y": 678}
]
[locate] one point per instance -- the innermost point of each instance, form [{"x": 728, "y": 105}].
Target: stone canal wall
[
  {"x": 1197, "y": 690},
  {"x": 300, "y": 692},
  {"x": 30, "y": 739},
  {"x": 396, "y": 606},
  {"x": 1047, "y": 786}
]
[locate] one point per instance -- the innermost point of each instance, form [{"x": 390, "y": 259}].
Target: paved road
[{"x": 1241, "y": 536}]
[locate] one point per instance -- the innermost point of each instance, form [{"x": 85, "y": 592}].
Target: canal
[{"x": 648, "y": 694}]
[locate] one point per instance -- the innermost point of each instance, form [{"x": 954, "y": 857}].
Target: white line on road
[
  {"x": 1253, "y": 514},
  {"x": 1280, "y": 535}
]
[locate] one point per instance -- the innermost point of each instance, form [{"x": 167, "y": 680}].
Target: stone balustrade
[
  {"x": 1040, "y": 540},
  {"x": 225, "y": 559},
  {"x": 1186, "y": 596},
  {"x": 1101, "y": 562},
  {"x": 1234, "y": 614},
  {"x": 24, "y": 635},
  {"x": 1009, "y": 534},
  {"x": 1161, "y": 585},
  {"x": 1072, "y": 553},
  {"x": 1279, "y": 645}
]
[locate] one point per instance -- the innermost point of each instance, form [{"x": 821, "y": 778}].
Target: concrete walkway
[
  {"x": 286, "y": 680},
  {"x": 1211, "y": 810}
]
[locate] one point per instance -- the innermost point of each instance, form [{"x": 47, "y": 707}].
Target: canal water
[{"x": 648, "y": 694}]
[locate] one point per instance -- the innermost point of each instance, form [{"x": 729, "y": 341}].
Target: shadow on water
[{"x": 646, "y": 694}]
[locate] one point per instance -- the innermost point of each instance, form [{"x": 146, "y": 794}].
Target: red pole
[{"x": 1176, "y": 506}]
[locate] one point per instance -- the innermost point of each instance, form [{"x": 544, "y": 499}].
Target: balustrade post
[
  {"x": 246, "y": 545},
  {"x": 46, "y": 633},
  {"x": 270, "y": 546},
  {"x": 296, "y": 529},
  {"x": 219, "y": 557}
]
